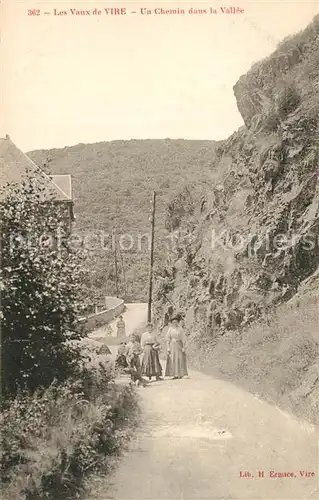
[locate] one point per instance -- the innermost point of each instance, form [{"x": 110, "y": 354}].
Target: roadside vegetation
[
  {"x": 62, "y": 414},
  {"x": 275, "y": 358}
]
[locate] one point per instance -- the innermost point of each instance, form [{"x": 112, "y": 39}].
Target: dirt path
[
  {"x": 134, "y": 316},
  {"x": 196, "y": 437},
  {"x": 198, "y": 434}
]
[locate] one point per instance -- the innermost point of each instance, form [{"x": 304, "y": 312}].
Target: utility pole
[
  {"x": 124, "y": 274},
  {"x": 150, "y": 289},
  {"x": 115, "y": 263}
]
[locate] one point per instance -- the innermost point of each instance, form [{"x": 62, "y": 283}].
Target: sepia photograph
[{"x": 159, "y": 250}]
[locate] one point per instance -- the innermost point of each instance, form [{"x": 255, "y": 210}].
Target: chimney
[{"x": 8, "y": 137}]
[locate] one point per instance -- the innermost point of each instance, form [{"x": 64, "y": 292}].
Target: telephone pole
[
  {"x": 115, "y": 264},
  {"x": 150, "y": 288},
  {"x": 124, "y": 274}
]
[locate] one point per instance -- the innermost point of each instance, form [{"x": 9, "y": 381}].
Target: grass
[
  {"x": 276, "y": 358},
  {"x": 52, "y": 442}
]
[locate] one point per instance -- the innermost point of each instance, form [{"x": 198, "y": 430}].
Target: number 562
[{"x": 34, "y": 12}]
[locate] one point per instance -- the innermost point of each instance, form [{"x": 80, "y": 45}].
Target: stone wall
[{"x": 113, "y": 308}]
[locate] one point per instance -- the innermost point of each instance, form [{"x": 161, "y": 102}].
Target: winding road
[
  {"x": 135, "y": 315},
  {"x": 203, "y": 438}
]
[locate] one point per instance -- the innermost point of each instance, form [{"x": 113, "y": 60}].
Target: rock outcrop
[
  {"x": 249, "y": 246},
  {"x": 253, "y": 239},
  {"x": 256, "y": 88}
]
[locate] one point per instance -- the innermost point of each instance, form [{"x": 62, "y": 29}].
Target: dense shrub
[
  {"x": 40, "y": 282},
  {"x": 181, "y": 206},
  {"x": 52, "y": 441},
  {"x": 270, "y": 120},
  {"x": 287, "y": 100}
]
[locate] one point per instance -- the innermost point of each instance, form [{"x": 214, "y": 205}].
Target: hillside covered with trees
[{"x": 112, "y": 189}]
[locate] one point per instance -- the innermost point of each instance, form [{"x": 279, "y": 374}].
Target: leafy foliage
[
  {"x": 40, "y": 279},
  {"x": 53, "y": 440},
  {"x": 287, "y": 100},
  {"x": 180, "y": 207}
]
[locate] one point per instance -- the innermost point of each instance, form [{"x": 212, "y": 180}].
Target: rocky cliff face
[
  {"x": 243, "y": 268},
  {"x": 257, "y": 87},
  {"x": 253, "y": 238}
]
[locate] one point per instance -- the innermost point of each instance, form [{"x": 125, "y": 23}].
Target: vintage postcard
[{"x": 159, "y": 249}]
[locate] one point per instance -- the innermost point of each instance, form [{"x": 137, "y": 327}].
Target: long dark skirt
[
  {"x": 135, "y": 365},
  {"x": 176, "y": 365},
  {"x": 151, "y": 366}
]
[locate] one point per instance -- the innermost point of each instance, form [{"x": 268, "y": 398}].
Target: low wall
[{"x": 114, "y": 307}]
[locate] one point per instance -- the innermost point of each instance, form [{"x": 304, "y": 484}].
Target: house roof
[
  {"x": 16, "y": 166},
  {"x": 64, "y": 182}
]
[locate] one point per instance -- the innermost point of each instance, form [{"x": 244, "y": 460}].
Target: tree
[
  {"x": 40, "y": 286},
  {"x": 46, "y": 165}
]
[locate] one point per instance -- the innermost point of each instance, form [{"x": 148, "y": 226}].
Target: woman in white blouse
[{"x": 176, "y": 365}]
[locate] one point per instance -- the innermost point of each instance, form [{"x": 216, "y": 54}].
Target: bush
[
  {"x": 40, "y": 282},
  {"x": 287, "y": 100},
  {"x": 268, "y": 119},
  {"x": 180, "y": 207},
  {"x": 145, "y": 165},
  {"x": 52, "y": 441}
]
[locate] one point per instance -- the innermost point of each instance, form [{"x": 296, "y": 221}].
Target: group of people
[{"x": 140, "y": 357}]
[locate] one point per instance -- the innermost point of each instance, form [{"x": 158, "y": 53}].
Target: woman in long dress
[
  {"x": 176, "y": 365},
  {"x": 120, "y": 325},
  {"x": 151, "y": 366}
]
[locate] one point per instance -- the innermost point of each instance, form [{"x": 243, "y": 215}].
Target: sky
[{"x": 82, "y": 79}]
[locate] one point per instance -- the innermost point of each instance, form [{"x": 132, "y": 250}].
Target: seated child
[
  {"x": 121, "y": 361},
  {"x": 133, "y": 352}
]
